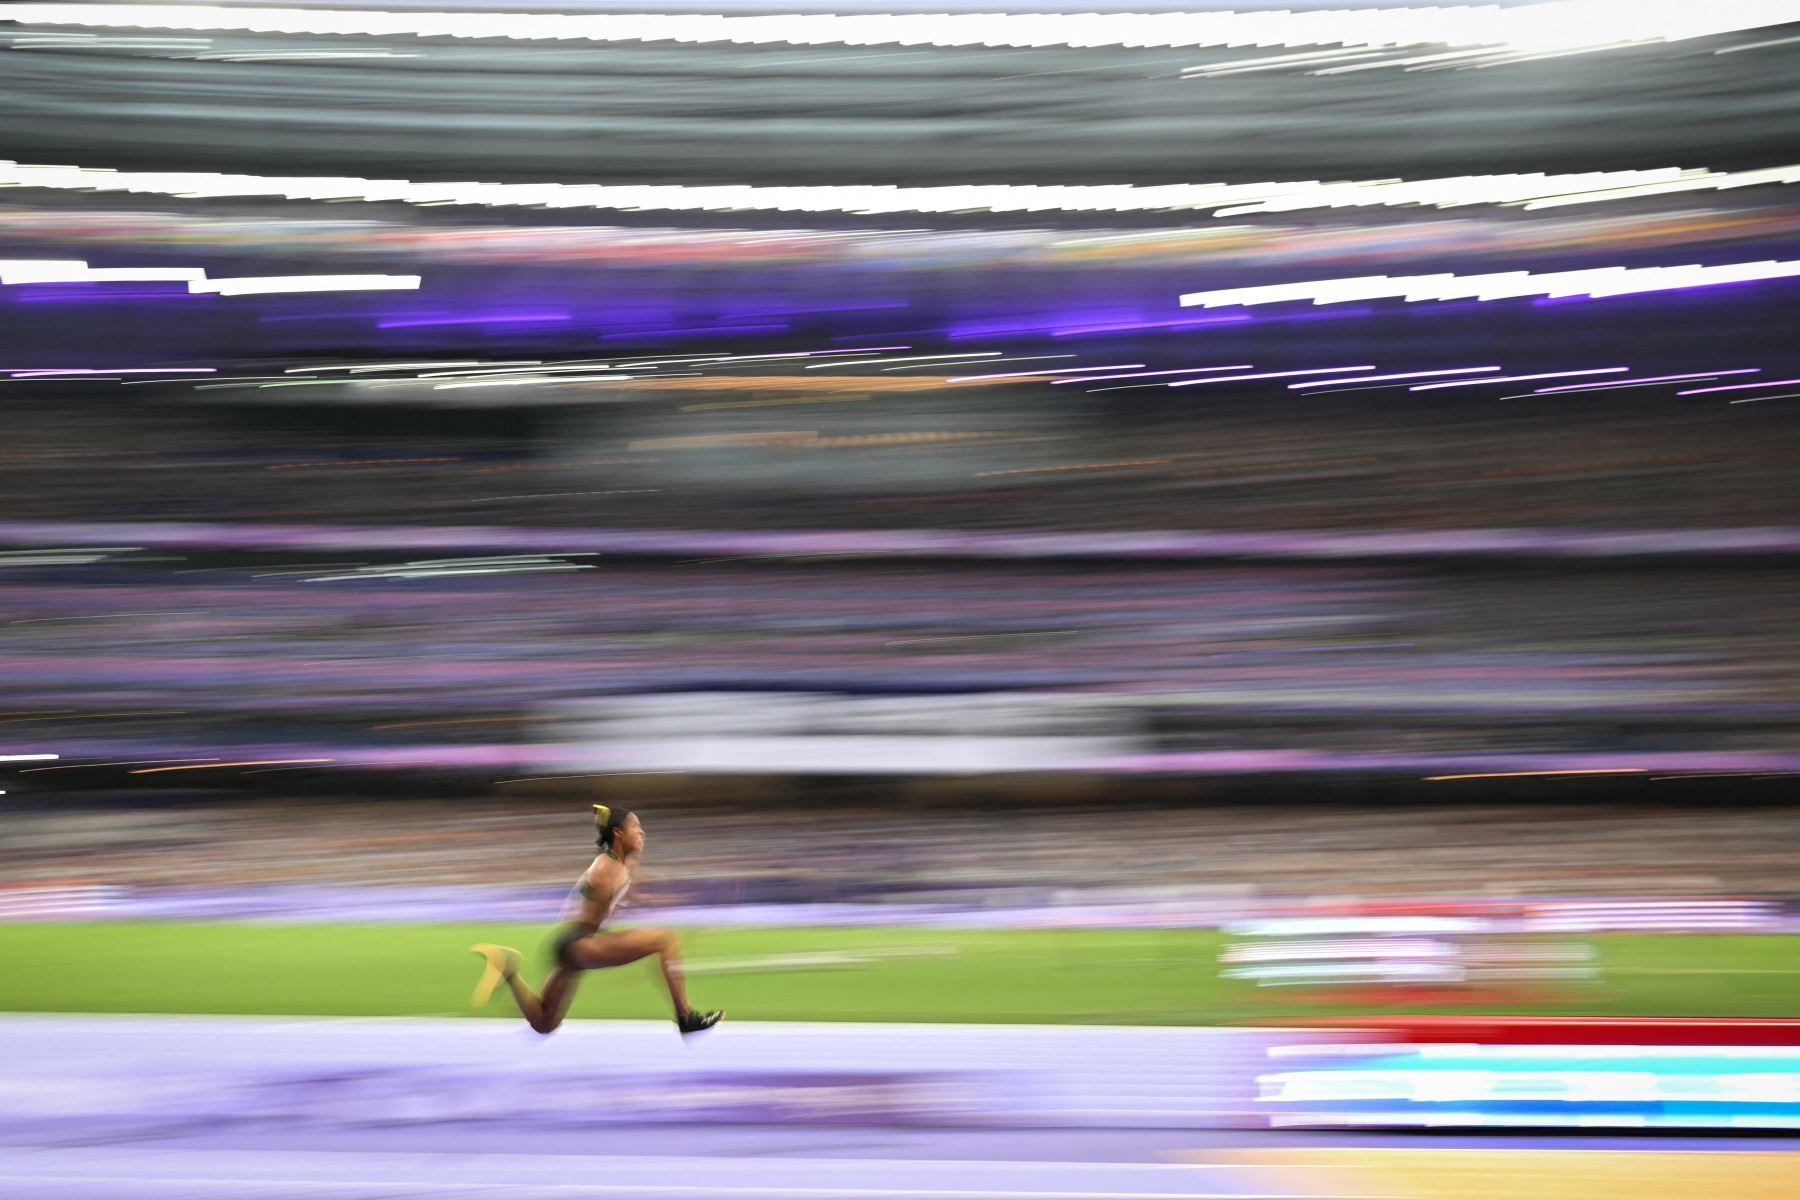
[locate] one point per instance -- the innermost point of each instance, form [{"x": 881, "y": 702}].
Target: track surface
[{"x": 204, "y": 1109}]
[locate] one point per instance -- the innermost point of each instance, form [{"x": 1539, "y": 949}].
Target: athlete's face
[{"x": 631, "y": 836}]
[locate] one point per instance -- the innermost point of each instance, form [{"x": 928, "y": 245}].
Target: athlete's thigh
[{"x": 600, "y": 950}]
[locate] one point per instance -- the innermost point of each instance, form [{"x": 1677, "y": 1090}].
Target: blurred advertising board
[{"x": 831, "y": 733}]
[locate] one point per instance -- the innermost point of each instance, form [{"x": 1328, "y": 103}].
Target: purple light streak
[
  {"x": 702, "y": 331},
  {"x": 1737, "y": 387},
  {"x": 1333, "y": 313},
  {"x": 485, "y": 319},
  {"x": 1077, "y": 330},
  {"x": 962, "y": 331}
]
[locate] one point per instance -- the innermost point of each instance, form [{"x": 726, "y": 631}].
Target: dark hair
[{"x": 607, "y": 822}]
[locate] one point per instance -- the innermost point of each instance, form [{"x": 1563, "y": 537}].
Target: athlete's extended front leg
[{"x": 601, "y": 950}]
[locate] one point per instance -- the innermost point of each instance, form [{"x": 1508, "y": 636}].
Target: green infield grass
[{"x": 1156, "y": 977}]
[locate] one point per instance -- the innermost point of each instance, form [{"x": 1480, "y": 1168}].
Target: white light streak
[
  {"x": 1430, "y": 387},
  {"x": 522, "y": 368},
  {"x": 1504, "y": 285},
  {"x": 440, "y": 572},
  {"x": 1565, "y": 26},
  {"x": 54, "y": 558},
  {"x": 1009, "y": 358},
  {"x": 1278, "y": 62},
  {"x": 1271, "y": 375},
  {"x": 1609, "y": 386},
  {"x": 1534, "y": 190},
  {"x": 858, "y": 362},
  {"x": 301, "y": 55},
  {"x": 1147, "y": 374},
  {"x": 1737, "y": 387},
  {"x": 28, "y": 270},
  {"x": 1326, "y": 383},
  {"x": 47, "y": 373},
  {"x": 1039, "y": 374},
  {"x": 428, "y": 568},
  {"x": 1644, "y": 380},
  {"x": 729, "y": 358},
  {"x": 407, "y": 366},
  {"x": 29, "y": 757},
  {"x": 1758, "y": 45},
  {"x": 525, "y": 380},
  {"x": 262, "y": 285},
  {"x": 25, "y": 271}
]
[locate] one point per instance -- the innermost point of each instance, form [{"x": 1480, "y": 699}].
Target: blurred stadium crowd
[
  {"x": 1014, "y": 457},
  {"x": 422, "y": 401},
  {"x": 491, "y": 665},
  {"x": 923, "y": 848}
]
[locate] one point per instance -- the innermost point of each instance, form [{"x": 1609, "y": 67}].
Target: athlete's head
[{"x": 619, "y": 831}]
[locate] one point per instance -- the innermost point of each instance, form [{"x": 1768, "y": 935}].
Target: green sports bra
[{"x": 590, "y": 893}]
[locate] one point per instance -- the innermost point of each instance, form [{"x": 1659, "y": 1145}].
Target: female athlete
[{"x": 583, "y": 944}]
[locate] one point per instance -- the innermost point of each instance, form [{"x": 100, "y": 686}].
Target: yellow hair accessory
[{"x": 602, "y": 814}]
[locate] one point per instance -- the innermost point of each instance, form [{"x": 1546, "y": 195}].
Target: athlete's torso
[{"x": 601, "y": 888}]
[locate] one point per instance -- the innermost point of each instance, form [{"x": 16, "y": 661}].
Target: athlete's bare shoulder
[
  {"x": 595, "y": 875},
  {"x": 606, "y": 874}
]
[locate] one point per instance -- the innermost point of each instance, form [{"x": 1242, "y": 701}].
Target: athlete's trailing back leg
[{"x": 543, "y": 1013}]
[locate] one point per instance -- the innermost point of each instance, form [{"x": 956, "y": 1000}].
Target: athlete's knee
[{"x": 546, "y": 1025}]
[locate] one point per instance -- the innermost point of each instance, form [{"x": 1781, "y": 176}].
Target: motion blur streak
[
  {"x": 1224, "y": 199},
  {"x": 257, "y": 286},
  {"x": 1568, "y": 26},
  {"x": 1125, "y": 589},
  {"x": 1597, "y": 282}
]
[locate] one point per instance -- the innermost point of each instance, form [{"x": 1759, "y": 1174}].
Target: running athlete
[{"x": 583, "y": 944}]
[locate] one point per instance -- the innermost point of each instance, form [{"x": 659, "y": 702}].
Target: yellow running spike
[{"x": 502, "y": 964}]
